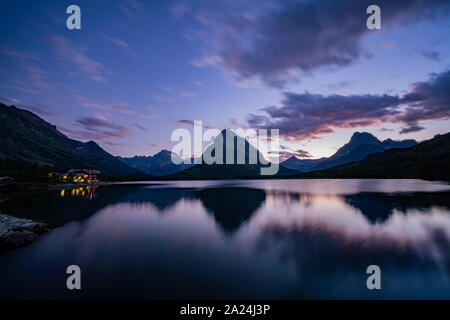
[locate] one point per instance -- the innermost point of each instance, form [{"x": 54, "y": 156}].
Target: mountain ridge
[
  {"x": 360, "y": 145},
  {"x": 427, "y": 160},
  {"x": 159, "y": 164},
  {"x": 25, "y": 137}
]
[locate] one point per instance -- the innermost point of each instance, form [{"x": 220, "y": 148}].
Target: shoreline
[
  {"x": 38, "y": 187},
  {"x": 18, "y": 232}
]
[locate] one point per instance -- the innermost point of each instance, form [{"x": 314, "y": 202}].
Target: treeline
[{"x": 23, "y": 171}]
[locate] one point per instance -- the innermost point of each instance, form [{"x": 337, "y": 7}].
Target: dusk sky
[{"x": 138, "y": 69}]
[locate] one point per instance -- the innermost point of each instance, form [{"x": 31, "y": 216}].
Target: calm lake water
[{"x": 275, "y": 239}]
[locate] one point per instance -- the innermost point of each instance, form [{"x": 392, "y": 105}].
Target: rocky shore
[{"x": 17, "y": 232}]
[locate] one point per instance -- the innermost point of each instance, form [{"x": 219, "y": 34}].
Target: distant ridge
[
  {"x": 160, "y": 164},
  {"x": 360, "y": 145},
  {"x": 428, "y": 160}
]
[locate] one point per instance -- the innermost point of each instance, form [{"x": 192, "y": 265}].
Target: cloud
[
  {"x": 137, "y": 125},
  {"x": 306, "y": 115},
  {"x": 122, "y": 45},
  {"x": 179, "y": 91},
  {"x": 211, "y": 60},
  {"x": 119, "y": 107},
  {"x": 277, "y": 41},
  {"x": 11, "y": 52},
  {"x": 179, "y": 9},
  {"x": 163, "y": 98},
  {"x": 188, "y": 123},
  {"x": 339, "y": 85},
  {"x": 133, "y": 9},
  {"x": 22, "y": 89},
  {"x": 411, "y": 128},
  {"x": 68, "y": 52},
  {"x": 147, "y": 116},
  {"x": 284, "y": 155},
  {"x": 37, "y": 77},
  {"x": 432, "y": 55},
  {"x": 38, "y": 108},
  {"x": 99, "y": 129},
  {"x": 184, "y": 122},
  {"x": 27, "y": 61},
  {"x": 9, "y": 101},
  {"x": 428, "y": 100},
  {"x": 302, "y": 153},
  {"x": 389, "y": 45}
]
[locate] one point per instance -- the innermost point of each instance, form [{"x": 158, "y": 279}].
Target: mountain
[
  {"x": 226, "y": 171},
  {"x": 360, "y": 145},
  {"x": 25, "y": 137},
  {"x": 427, "y": 160},
  {"x": 158, "y": 165}
]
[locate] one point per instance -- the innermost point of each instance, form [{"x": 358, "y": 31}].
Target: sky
[{"x": 137, "y": 70}]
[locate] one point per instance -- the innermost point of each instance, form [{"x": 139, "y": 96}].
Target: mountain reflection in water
[{"x": 269, "y": 239}]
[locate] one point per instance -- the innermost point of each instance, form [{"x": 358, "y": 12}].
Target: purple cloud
[
  {"x": 432, "y": 55},
  {"x": 307, "y": 115},
  {"x": 284, "y": 155},
  {"x": 411, "y": 128},
  {"x": 428, "y": 100},
  {"x": 36, "y": 76},
  {"x": 122, "y": 45},
  {"x": 99, "y": 129},
  {"x": 184, "y": 122},
  {"x": 137, "y": 125},
  {"x": 276, "y": 41},
  {"x": 133, "y": 9},
  {"x": 76, "y": 55},
  {"x": 302, "y": 153},
  {"x": 119, "y": 107}
]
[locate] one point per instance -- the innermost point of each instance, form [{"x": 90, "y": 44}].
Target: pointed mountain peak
[
  {"x": 231, "y": 144},
  {"x": 92, "y": 144},
  {"x": 163, "y": 153},
  {"x": 163, "y": 156},
  {"x": 363, "y": 137}
]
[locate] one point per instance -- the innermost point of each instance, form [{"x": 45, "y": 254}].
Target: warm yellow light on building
[{"x": 62, "y": 192}]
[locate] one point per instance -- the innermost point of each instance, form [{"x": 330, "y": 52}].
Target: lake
[{"x": 236, "y": 239}]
